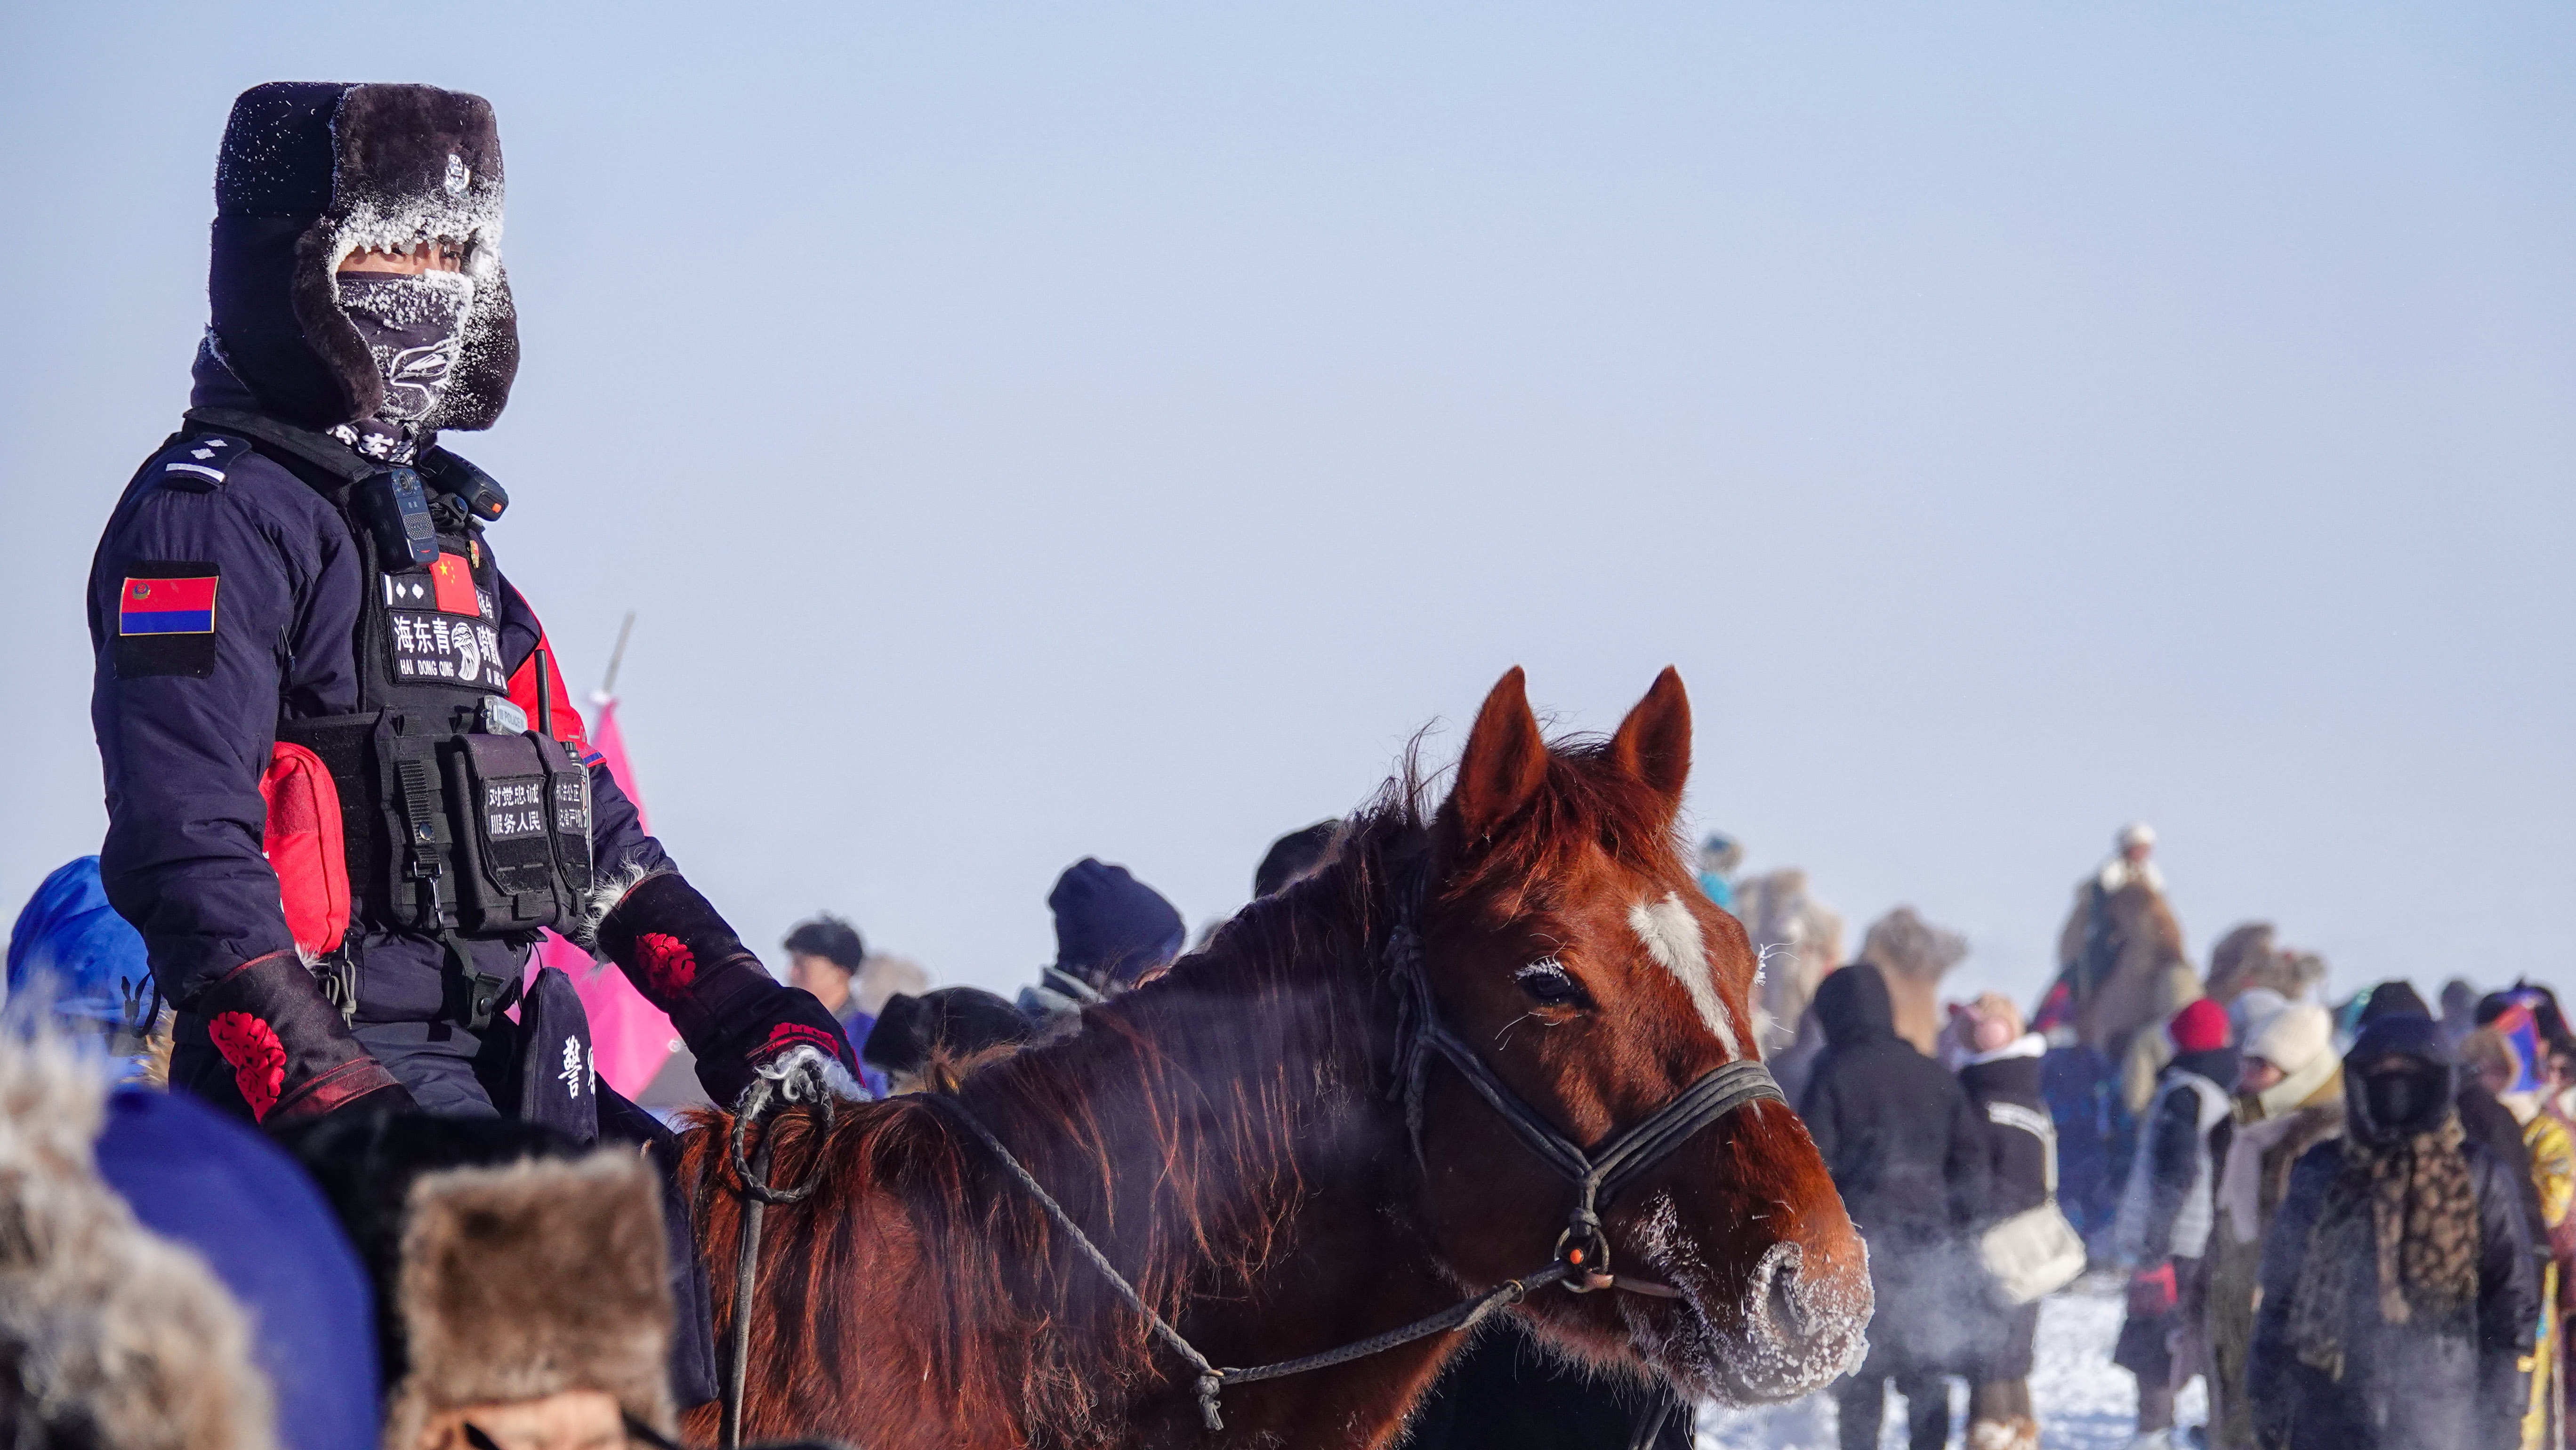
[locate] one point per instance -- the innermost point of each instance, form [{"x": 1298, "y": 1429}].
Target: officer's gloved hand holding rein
[
  {"x": 346, "y": 789},
  {"x": 737, "y": 1018}
]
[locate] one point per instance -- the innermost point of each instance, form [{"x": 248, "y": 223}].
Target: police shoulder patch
[
  {"x": 198, "y": 464},
  {"x": 165, "y": 618}
]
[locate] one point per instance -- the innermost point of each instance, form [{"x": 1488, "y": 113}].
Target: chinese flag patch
[
  {"x": 454, "y": 580},
  {"x": 165, "y": 619}
]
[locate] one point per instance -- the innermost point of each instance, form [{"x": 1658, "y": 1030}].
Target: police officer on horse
[{"x": 345, "y": 789}]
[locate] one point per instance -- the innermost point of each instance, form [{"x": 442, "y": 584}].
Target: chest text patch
[
  {"x": 440, "y": 625},
  {"x": 446, "y": 648}
]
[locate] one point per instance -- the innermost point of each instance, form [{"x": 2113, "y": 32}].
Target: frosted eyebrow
[{"x": 1672, "y": 938}]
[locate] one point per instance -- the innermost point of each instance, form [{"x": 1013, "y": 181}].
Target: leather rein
[{"x": 1580, "y": 1261}]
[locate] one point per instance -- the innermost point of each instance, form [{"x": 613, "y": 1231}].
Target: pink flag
[{"x": 630, "y": 1038}]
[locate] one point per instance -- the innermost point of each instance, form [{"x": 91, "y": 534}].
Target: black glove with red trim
[
  {"x": 292, "y": 1055},
  {"x": 736, "y": 1018}
]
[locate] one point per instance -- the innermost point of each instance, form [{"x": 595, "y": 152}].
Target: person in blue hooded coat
[
  {"x": 70, "y": 943},
  {"x": 2399, "y": 1291}
]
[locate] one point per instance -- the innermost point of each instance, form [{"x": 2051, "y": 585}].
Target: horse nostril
[
  {"x": 1784, "y": 1303},
  {"x": 1776, "y": 1303}
]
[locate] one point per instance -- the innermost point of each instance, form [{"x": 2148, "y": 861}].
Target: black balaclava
[
  {"x": 2405, "y": 1095},
  {"x": 2399, "y": 1080},
  {"x": 412, "y": 326}
]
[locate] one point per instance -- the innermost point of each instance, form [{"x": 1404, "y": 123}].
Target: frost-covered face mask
[{"x": 411, "y": 325}]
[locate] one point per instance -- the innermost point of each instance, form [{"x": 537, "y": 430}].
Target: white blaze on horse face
[{"x": 1672, "y": 938}]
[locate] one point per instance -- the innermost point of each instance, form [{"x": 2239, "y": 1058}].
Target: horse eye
[{"x": 1548, "y": 983}]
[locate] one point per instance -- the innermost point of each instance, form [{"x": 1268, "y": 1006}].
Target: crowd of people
[{"x": 2349, "y": 1220}]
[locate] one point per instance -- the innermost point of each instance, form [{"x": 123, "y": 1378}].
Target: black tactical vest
[{"x": 464, "y": 819}]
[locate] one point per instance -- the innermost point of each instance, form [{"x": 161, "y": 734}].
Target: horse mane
[{"x": 1183, "y": 1125}]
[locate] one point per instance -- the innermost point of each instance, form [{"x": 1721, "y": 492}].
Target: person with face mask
[
  {"x": 346, "y": 787},
  {"x": 2398, "y": 1288}
]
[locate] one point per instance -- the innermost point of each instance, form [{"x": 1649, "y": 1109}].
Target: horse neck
[{"x": 1188, "y": 1123}]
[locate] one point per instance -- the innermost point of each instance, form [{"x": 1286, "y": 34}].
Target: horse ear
[
  {"x": 1654, "y": 743},
  {"x": 1505, "y": 761}
]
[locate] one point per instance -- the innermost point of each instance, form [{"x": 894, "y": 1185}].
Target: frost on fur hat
[
  {"x": 2296, "y": 1036},
  {"x": 2200, "y": 1026},
  {"x": 527, "y": 1280},
  {"x": 311, "y": 171}
]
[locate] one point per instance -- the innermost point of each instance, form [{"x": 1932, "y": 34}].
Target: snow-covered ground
[{"x": 2085, "y": 1402}]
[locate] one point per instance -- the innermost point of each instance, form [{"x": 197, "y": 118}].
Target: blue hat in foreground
[{"x": 197, "y": 1176}]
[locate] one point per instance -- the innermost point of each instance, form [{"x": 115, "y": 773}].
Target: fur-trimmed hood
[
  {"x": 311, "y": 171},
  {"x": 529, "y": 1279}
]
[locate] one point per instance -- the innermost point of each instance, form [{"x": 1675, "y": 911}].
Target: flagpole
[{"x": 616, "y": 657}]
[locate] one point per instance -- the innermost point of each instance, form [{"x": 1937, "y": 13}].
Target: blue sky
[{"x": 1030, "y": 432}]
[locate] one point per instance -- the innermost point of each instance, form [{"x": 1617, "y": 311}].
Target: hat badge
[{"x": 457, "y": 175}]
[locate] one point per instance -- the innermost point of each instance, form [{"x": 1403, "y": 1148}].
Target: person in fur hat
[
  {"x": 525, "y": 1286},
  {"x": 345, "y": 783},
  {"x": 2162, "y": 1231},
  {"x": 2289, "y": 1098},
  {"x": 533, "y": 1307},
  {"x": 2398, "y": 1291}
]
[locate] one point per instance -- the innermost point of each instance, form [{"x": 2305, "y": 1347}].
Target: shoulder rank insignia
[{"x": 199, "y": 463}]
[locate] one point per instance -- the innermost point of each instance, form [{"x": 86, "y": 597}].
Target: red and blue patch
[
  {"x": 165, "y": 618},
  {"x": 168, "y": 606}
]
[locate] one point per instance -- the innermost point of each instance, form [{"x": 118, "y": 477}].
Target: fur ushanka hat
[
  {"x": 529, "y": 1279},
  {"x": 311, "y": 171}
]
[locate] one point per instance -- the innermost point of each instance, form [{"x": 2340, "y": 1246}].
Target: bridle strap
[
  {"x": 1719, "y": 1092},
  {"x": 1598, "y": 1173},
  {"x": 1211, "y": 1380},
  {"x": 1601, "y": 1172},
  {"x": 1535, "y": 1131}
]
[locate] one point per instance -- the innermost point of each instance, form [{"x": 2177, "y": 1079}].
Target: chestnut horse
[{"x": 1231, "y": 1137}]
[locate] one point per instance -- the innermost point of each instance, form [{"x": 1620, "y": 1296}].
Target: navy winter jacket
[{"x": 183, "y": 754}]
